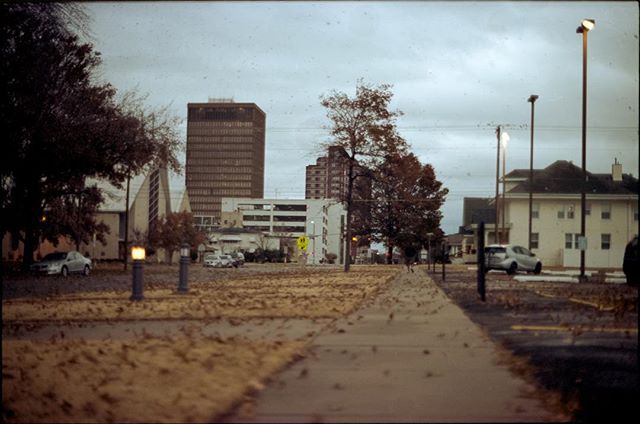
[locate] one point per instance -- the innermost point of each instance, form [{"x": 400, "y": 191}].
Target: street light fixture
[
  {"x": 504, "y": 140},
  {"x": 585, "y": 26},
  {"x": 138, "y": 255},
  {"x": 532, "y": 99}
]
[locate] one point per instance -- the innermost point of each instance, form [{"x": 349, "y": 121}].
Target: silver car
[
  {"x": 511, "y": 259},
  {"x": 63, "y": 263},
  {"x": 213, "y": 261}
]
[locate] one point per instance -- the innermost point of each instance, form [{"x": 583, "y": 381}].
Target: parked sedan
[
  {"x": 227, "y": 261},
  {"x": 511, "y": 259},
  {"x": 213, "y": 261},
  {"x": 63, "y": 263}
]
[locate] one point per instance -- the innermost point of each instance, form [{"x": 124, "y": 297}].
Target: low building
[
  {"x": 611, "y": 214},
  {"x": 149, "y": 201},
  {"x": 321, "y": 220}
]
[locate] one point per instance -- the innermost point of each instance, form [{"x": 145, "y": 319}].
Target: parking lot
[{"x": 580, "y": 339}]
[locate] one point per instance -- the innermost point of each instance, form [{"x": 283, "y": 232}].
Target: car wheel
[
  {"x": 538, "y": 268},
  {"x": 64, "y": 271},
  {"x": 512, "y": 268},
  {"x": 86, "y": 270}
]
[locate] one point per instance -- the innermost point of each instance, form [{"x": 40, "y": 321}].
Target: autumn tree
[
  {"x": 406, "y": 202},
  {"x": 61, "y": 127},
  {"x": 173, "y": 230},
  {"x": 366, "y": 129}
]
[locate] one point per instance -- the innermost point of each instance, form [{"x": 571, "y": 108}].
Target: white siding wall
[{"x": 552, "y": 229}]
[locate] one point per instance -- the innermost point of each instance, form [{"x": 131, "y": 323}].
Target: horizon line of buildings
[{"x": 224, "y": 190}]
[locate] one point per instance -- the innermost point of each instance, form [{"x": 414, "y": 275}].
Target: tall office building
[
  {"x": 328, "y": 178},
  {"x": 225, "y": 156}
]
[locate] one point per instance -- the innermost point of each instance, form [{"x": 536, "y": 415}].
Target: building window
[
  {"x": 534, "y": 240},
  {"x": 535, "y": 210},
  {"x": 571, "y": 212},
  {"x": 635, "y": 213},
  {"x": 561, "y": 213},
  {"x": 606, "y": 211},
  {"x": 605, "y": 241},
  {"x": 587, "y": 209},
  {"x": 568, "y": 240}
]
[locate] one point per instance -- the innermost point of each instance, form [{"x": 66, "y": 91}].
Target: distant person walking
[{"x": 409, "y": 257}]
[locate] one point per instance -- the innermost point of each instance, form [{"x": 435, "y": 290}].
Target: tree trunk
[
  {"x": 347, "y": 248},
  {"x": 389, "y": 252}
]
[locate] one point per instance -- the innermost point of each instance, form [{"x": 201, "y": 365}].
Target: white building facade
[
  {"x": 611, "y": 215},
  {"x": 321, "y": 220}
]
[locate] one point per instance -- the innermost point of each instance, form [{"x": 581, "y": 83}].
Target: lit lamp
[
  {"x": 504, "y": 140},
  {"x": 138, "y": 255},
  {"x": 185, "y": 252},
  {"x": 585, "y": 26}
]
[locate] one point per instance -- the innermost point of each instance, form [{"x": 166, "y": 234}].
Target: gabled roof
[{"x": 563, "y": 177}]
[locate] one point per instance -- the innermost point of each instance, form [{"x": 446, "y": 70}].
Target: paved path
[{"x": 410, "y": 355}]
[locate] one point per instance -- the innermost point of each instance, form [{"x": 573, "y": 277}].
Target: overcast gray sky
[{"x": 457, "y": 69}]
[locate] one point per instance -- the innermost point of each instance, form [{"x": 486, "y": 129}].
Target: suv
[
  {"x": 510, "y": 259},
  {"x": 630, "y": 262}
]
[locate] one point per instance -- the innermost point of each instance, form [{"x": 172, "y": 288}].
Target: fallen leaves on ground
[{"x": 152, "y": 379}]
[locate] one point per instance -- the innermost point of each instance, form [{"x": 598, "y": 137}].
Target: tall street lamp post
[
  {"x": 495, "y": 235},
  {"x": 532, "y": 99},
  {"x": 504, "y": 139},
  {"x": 585, "y": 26}
]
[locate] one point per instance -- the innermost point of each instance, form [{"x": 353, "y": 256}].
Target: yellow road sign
[{"x": 302, "y": 242}]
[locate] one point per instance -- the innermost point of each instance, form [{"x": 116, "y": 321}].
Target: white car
[
  {"x": 510, "y": 259},
  {"x": 63, "y": 263},
  {"x": 227, "y": 261},
  {"x": 213, "y": 261}
]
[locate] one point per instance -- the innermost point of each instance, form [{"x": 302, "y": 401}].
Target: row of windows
[
  {"x": 207, "y": 176},
  {"x": 217, "y": 139},
  {"x": 571, "y": 241},
  {"x": 288, "y": 229},
  {"x": 216, "y": 124},
  {"x": 224, "y": 147},
  {"x": 222, "y": 170},
  {"x": 207, "y": 153},
  {"x": 221, "y": 114},
  {"x": 207, "y": 183},
  {"x": 235, "y": 192},
  {"x": 256, "y": 218},
  {"x": 219, "y": 132},
  {"x": 568, "y": 211},
  {"x": 216, "y": 159}
]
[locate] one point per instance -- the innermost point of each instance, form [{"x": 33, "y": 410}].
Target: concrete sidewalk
[{"x": 410, "y": 356}]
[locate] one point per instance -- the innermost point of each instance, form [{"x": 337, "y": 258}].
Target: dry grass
[
  {"x": 149, "y": 380},
  {"x": 177, "y": 378}
]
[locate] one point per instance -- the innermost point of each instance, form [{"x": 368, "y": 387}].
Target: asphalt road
[{"x": 580, "y": 339}]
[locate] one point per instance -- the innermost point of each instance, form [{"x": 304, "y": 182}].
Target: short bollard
[
  {"x": 137, "y": 254},
  {"x": 183, "y": 284}
]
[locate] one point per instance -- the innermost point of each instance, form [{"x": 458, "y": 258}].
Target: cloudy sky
[{"x": 458, "y": 69}]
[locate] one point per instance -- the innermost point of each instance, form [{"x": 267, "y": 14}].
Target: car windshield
[
  {"x": 494, "y": 250},
  {"x": 210, "y": 257},
  {"x": 56, "y": 256}
]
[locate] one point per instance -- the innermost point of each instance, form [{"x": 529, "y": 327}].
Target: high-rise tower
[{"x": 225, "y": 156}]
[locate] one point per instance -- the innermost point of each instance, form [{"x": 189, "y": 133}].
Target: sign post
[{"x": 481, "y": 273}]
